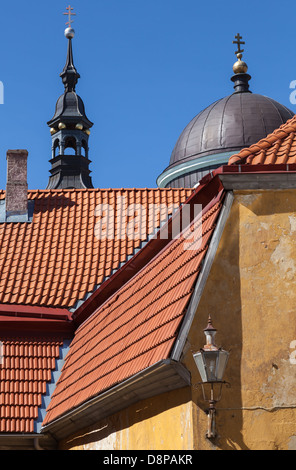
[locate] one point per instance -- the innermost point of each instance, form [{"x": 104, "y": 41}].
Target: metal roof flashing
[{"x": 16, "y": 217}]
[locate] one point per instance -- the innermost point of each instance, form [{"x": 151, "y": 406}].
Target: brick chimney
[{"x": 17, "y": 186}]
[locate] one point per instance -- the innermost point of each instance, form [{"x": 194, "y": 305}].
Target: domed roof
[
  {"x": 222, "y": 129},
  {"x": 228, "y": 125},
  {"x": 70, "y": 109}
]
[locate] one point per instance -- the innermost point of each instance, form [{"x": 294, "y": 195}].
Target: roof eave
[
  {"x": 33, "y": 319},
  {"x": 162, "y": 377},
  {"x": 27, "y": 441},
  {"x": 244, "y": 177}
]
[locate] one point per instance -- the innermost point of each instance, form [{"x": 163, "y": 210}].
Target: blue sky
[{"x": 147, "y": 68}]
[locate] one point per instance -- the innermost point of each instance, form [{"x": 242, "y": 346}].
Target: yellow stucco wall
[
  {"x": 163, "y": 422},
  {"x": 251, "y": 296}
]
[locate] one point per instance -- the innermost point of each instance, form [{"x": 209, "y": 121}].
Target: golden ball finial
[{"x": 240, "y": 66}]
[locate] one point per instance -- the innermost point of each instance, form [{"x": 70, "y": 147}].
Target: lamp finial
[{"x": 210, "y": 333}]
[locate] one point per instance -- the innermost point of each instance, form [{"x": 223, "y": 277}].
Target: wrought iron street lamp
[{"x": 211, "y": 362}]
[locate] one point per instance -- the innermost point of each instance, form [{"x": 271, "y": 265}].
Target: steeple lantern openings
[{"x": 70, "y": 128}]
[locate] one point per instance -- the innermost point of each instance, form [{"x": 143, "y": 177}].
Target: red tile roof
[
  {"x": 277, "y": 148},
  {"x": 25, "y": 371},
  {"x": 46, "y": 266},
  {"x": 58, "y": 259},
  {"x": 30, "y": 342},
  {"x": 137, "y": 326}
]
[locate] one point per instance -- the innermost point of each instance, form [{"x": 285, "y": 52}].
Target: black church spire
[{"x": 69, "y": 129}]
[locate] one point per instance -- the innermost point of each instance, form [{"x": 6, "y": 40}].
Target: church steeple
[{"x": 70, "y": 129}]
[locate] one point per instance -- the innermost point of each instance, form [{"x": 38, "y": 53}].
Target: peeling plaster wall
[{"x": 251, "y": 296}]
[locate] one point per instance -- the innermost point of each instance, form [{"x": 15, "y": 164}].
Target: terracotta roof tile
[
  {"x": 277, "y": 148},
  {"x": 137, "y": 326},
  {"x": 57, "y": 259},
  {"x": 24, "y": 372}
]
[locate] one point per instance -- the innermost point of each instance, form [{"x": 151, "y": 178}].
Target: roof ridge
[
  {"x": 88, "y": 190},
  {"x": 146, "y": 188},
  {"x": 278, "y": 134}
]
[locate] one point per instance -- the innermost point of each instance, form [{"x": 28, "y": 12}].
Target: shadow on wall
[
  {"x": 221, "y": 299},
  {"x": 157, "y": 423}
]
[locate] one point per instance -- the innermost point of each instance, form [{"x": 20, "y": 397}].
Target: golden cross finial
[
  {"x": 238, "y": 42},
  {"x": 69, "y": 14}
]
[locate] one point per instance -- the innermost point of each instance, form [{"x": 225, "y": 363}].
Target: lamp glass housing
[{"x": 211, "y": 364}]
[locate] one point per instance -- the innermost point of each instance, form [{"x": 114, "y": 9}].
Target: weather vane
[
  {"x": 69, "y": 14},
  {"x": 239, "y": 43}
]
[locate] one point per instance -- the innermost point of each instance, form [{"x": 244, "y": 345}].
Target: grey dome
[
  {"x": 222, "y": 129},
  {"x": 230, "y": 124}
]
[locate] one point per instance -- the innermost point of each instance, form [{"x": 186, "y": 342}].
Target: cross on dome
[{"x": 239, "y": 43}]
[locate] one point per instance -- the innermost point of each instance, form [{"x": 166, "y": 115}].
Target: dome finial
[
  {"x": 69, "y": 31},
  {"x": 239, "y": 66}
]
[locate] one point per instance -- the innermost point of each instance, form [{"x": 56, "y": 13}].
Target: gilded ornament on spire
[{"x": 239, "y": 66}]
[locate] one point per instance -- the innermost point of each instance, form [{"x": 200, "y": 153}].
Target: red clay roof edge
[
  {"x": 260, "y": 168},
  {"x": 45, "y": 320}
]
